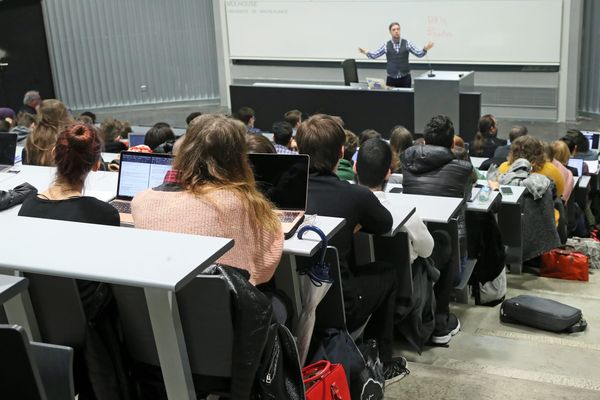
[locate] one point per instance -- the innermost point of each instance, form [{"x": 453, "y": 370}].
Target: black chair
[
  {"x": 34, "y": 370},
  {"x": 350, "y": 71},
  {"x": 205, "y": 310}
]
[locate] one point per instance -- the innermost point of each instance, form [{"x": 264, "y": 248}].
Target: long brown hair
[
  {"x": 529, "y": 148},
  {"x": 486, "y": 123},
  {"x": 53, "y": 118},
  {"x": 213, "y": 156}
]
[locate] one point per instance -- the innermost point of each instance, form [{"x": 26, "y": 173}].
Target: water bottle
[{"x": 484, "y": 194}]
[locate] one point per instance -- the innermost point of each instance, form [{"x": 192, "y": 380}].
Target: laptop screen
[
  {"x": 593, "y": 138},
  {"x": 282, "y": 178},
  {"x": 577, "y": 163},
  {"x": 140, "y": 171},
  {"x": 136, "y": 139},
  {"x": 8, "y": 146}
]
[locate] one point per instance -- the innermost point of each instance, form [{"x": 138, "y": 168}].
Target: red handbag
[
  {"x": 325, "y": 381},
  {"x": 562, "y": 263}
]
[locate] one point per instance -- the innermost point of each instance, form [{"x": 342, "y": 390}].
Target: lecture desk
[{"x": 160, "y": 274}]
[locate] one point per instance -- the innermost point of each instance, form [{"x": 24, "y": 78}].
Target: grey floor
[
  {"x": 486, "y": 360},
  {"x": 491, "y": 360}
]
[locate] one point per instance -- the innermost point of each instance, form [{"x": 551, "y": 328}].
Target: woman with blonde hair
[
  {"x": 532, "y": 150},
  {"x": 53, "y": 118},
  {"x": 212, "y": 192},
  {"x": 566, "y": 174}
]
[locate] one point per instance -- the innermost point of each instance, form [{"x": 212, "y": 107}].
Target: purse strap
[{"x": 322, "y": 368}]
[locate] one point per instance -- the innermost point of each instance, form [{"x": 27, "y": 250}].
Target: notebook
[
  {"x": 135, "y": 139},
  {"x": 283, "y": 179},
  {"x": 576, "y": 163},
  {"x": 138, "y": 172},
  {"x": 8, "y": 147}
]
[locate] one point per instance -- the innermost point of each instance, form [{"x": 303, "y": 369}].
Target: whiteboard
[{"x": 517, "y": 32}]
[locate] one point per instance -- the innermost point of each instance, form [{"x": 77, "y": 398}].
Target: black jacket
[
  {"x": 16, "y": 196},
  {"x": 433, "y": 170}
]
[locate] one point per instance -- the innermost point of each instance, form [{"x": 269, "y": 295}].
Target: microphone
[{"x": 430, "y": 74}]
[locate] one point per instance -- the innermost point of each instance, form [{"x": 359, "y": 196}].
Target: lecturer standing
[{"x": 396, "y": 51}]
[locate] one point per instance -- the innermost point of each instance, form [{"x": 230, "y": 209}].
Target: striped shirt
[
  {"x": 409, "y": 45},
  {"x": 280, "y": 149}
]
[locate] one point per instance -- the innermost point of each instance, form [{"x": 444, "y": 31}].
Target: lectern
[{"x": 440, "y": 94}]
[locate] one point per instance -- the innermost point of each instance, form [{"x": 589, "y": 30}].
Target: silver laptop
[
  {"x": 8, "y": 148},
  {"x": 283, "y": 179},
  {"x": 138, "y": 172}
]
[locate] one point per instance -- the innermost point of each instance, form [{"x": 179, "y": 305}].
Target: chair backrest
[
  {"x": 350, "y": 71},
  {"x": 19, "y": 377},
  {"x": 58, "y": 310},
  {"x": 206, "y": 319},
  {"x": 55, "y": 365}
]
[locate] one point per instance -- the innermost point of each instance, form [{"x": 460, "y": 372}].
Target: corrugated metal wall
[
  {"x": 108, "y": 53},
  {"x": 589, "y": 91}
]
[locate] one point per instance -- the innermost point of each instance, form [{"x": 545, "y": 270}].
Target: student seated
[
  {"x": 53, "y": 117},
  {"x": 432, "y": 169},
  {"x": 400, "y": 140},
  {"x": 532, "y": 150},
  {"x": 259, "y": 144},
  {"x": 76, "y": 153},
  {"x": 111, "y": 131},
  {"x": 345, "y": 169},
  {"x": 369, "y": 291},
  {"x": 486, "y": 141},
  {"x": 282, "y": 136},
  {"x": 373, "y": 170},
  {"x": 582, "y": 146},
  {"x": 212, "y": 192},
  {"x": 566, "y": 174}
]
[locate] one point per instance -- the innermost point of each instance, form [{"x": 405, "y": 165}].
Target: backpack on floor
[{"x": 542, "y": 313}]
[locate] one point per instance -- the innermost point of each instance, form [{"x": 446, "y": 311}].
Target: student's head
[
  {"x": 161, "y": 125},
  {"x": 350, "y": 145},
  {"x": 293, "y": 117},
  {"x": 517, "y": 132},
  {"x": 322, "y": 138},
  {"x": 561, "y": 151},
  {"x": 460, "y": 153},
  {"x": 282, "y": 133},
  {"x": 4, "y": 125},
  {"x": 529, "y": 148},
  {"x": 368, "y": 134},
  {"x": 373, "y": 163},
  {"x": 400, "y": 139},
  {"x": 111, "y": 130},
  {"x": 27, "y": 120},
  {"x": 157, "y": 136},
  {"x": 259, "y": 144},
  {"x": 90, "y": 115},
  {"x": 394, "y": 29},
  {"x": 439, "y": 131},
  {"x": 487, "y": 125},
  {"x": 32, "y": 98},
  {"x": 213, "y": 157},
  {"x": 7, "y": 114},
  {"x": 570, "y": 143},
  {"x": 85, "y": 120},
  {"x": 246, "y": 115},
  {"x": 548, "y": 151},
  {"x": 190, "y": 117},
  {"x": 458, "y": 142},
  {"x": 581, "y": 142},
  {"x": 53, "y": 117},
  {"x": 76, "y": 153}
]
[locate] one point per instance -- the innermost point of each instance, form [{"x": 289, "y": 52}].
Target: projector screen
[{"x": 512, "y": 32}]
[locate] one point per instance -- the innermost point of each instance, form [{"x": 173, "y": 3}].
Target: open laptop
[
  {"x": 135, "y": 139},
  {"x": 578, "y": 164},
  {"x": 283, "y": 179},
  {"x": 138, "y": 172},
  {"x": 593, "y": 137},
  {"x": 8, "y": 147}
]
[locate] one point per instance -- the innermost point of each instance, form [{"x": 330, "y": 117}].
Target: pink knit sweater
[{"x": 220, "y": 213}]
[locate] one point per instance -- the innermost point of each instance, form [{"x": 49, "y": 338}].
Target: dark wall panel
[{"x": 24, "y": 48}]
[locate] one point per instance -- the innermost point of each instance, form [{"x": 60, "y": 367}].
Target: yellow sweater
[
  {"x": 220, "y": 213},
  {"x": 548, "y": 170}
]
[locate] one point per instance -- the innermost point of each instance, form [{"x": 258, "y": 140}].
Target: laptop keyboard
[
  {"x": 124, "y": 207},
  {"x": 288, "y": 216}
]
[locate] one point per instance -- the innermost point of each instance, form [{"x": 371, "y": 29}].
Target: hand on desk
[{"x": 494, "y": 185}]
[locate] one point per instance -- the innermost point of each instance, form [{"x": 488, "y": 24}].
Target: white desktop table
[
  {"x": 477, "y": 161},
  {"x": 158, "y": 273},
  {"x": 10, "y": 286},
  {"x": 430, "y": 208}
]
